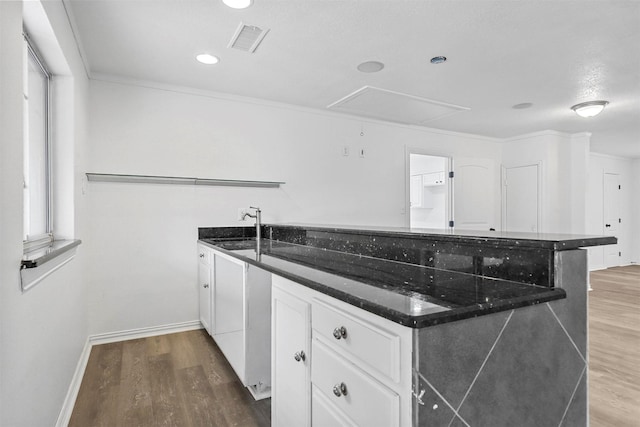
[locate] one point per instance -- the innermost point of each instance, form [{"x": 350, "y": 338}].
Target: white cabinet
[
  {"x": 290, "y": 381},
  {"x": 422, "y": 187},
  {"x": 433, "y": 178},
  {"x": 236, "y": 311},
  {"x": 360, "y": 363},
  {"x": 204, "y": 287},
  {"x": 416, "y": 191}
]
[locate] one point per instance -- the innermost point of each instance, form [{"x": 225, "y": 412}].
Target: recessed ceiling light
[
  {"x": 589, "y": 109},
  {"x": 522, "y": 106},
  {"x": 205, "y": 58},
  {"x": 438, "y": 59},
  {"x": 370, "y": 67},
  {"x": 238, "y": 4}
]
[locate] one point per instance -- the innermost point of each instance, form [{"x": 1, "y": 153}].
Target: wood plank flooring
[
  {"x": 169, "y": 380},
  {"x": 614, "y": 347},
  {"x": 184, "y": 380}
]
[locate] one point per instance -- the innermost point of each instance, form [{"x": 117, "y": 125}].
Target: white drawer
[
  {"x": 362, "y": 340},
  {"x": 366, "y": 401},
  {"x": 325, "y": 413}
]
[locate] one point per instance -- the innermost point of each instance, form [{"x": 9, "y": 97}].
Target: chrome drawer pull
[
  {"x": 201, "y": 255},
  {"x": 205, "y": 285},
  {"x": 340, "y": 332},
  {"x": 340, "y": 389},
  {"x": 299, "y": 356}
]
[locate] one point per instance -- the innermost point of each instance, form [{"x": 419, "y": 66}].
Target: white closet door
[
  {"x": 474, "y": 193},
  {"x": 611, "y": 226},
  {"x": 521, "y": 198}
]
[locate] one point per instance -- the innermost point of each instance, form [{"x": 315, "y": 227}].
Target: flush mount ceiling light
[
  {"x": 238, "y": 4},
  {"x": 438, "y": 59},
  {"x": 370, "y": 67},
  {"x": 205, "y": 58},
  {"x": 589, "y": 109}
]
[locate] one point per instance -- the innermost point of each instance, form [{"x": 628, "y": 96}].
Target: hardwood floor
[
  {"x": 170, "y": 380},
  {"x": 614, "y": 347},
  {"x": 184, "y": 380}
]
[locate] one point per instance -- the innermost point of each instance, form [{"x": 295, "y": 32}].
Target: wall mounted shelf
[{"x": 153, "y": 179}]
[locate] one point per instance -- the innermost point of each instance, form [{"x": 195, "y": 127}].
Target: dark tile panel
[
  {"x": 529, "y": 377},
  {"x": 450, "y": 355},
  {"x": 432, "y": 410},
  {"x": 577, "y": 412},
  {"x": 571, "y": 276},
  {"x": 457, "y": 422}
]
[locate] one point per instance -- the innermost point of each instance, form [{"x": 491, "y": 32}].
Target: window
[{"x": 37, "y": 151}]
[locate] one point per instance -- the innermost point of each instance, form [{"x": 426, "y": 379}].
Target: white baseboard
[
  {"x": 72, "y": 394},
  {"x": 151, "y": 331},
  {"x": 70, "y": 399}
]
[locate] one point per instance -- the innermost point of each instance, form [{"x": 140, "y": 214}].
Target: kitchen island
[{"x": 461, "y": 329}]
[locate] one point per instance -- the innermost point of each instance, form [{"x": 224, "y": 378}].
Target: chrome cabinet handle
[
  {"x": 206, "y": 285},
  {"x": 201, "y": 255},
  {"x": 299, "y": 356},
  {"x": 340, "y": 332},
  {"x": 340, "y": 389}
]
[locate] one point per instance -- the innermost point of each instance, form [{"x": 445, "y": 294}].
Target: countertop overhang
[{"x": 411, "y": 295}]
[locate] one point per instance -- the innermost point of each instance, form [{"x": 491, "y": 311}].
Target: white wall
[
  {"x": 142, "y": 253},
  {"x": 563, "y": 161},
  {"x": 628, "y": 241},
  {"x": 43, "y": 330}
]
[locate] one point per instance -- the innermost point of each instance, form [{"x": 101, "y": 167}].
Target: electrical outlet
[{"x": 241, "y": 213}]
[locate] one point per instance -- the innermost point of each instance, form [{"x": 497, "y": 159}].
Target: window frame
[{"x": 31, "y": 242}]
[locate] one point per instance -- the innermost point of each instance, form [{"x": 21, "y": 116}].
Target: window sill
[
  {"x": 40, "y": 263},
  {"x": 37, "y": 257}
]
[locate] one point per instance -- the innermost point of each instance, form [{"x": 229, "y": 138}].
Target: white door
[
  {"x": 611, "y": 226},
  {"x": 521, "y": 199},
  {"x": 290, "y": 376},
  {"x": 474, "y": 188}
]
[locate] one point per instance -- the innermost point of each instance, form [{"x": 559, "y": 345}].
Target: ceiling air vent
[{"x": 247, "y": 37}]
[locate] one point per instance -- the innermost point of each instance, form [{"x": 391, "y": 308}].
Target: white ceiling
[{"x": 552, "y": 53}]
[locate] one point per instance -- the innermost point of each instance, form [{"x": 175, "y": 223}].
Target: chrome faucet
[{"x": 258, "y": 217}]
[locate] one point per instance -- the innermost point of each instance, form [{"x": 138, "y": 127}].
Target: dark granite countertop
[
  {"x": 552, "y": 241},
  {"x": 412, "y": 295}
]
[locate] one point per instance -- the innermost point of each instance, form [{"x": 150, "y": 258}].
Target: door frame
[
  {"x": 408, "y": 151},
  {"x": 503, "y": 196}
]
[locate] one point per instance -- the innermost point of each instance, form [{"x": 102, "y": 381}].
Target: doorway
[{"x": 429, "y": 192}]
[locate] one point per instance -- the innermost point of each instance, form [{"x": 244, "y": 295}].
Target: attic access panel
[{"x": 394, "y": 106}]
